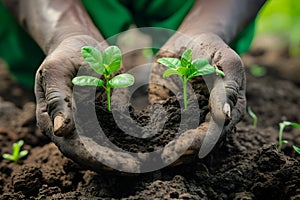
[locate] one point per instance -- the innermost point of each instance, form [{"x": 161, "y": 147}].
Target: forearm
[
  {"x": 51, "y": 21},
  {"x": 225, "y": 18}
]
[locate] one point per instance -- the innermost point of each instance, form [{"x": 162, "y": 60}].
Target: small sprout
[
  {"x": 105, "y": 63},
  {"x": 186, "y": 69},
  {"x": 218, "y": 71},
  {"x": 282, "y": 125},
  {"x": 17, "y": 153},
  {"x": 297, "y": 149},
  {"x": 258, "y": 71},
  {"x": 253, "y": 116}
]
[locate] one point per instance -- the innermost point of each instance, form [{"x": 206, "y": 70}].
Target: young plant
[
  {"x": 186, "y": 69},
  {"x": 17, "y": 153},
  {"x": 282, "y": 125},
  {"x": 258, "y": 71},
  {"x": 253, "y": 116},
  {"x": 105, "y": 63}
]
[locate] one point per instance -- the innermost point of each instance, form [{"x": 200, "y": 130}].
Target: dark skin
[{"x": 211, "y": 23}]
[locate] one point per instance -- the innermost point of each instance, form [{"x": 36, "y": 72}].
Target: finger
[
  {"x": 216, "y": 130},
  {"x": 43, "y": 120},
  {"x": 238, "y": 111},
  {"x": 57, "y": 97},
  {"x": 219, "y": 108},
  {"x": 214, "y": 133},
  {"x": 233, "y": 84},
  {"x": 176, "y": 148},
  {"x": 202, "y": 140}
]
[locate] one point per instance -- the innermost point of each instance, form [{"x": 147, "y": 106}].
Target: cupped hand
[
  {"x": 227, "y": 100},
  {"x": 53, "y": 86},
  {"x": 232, "y": 107}
]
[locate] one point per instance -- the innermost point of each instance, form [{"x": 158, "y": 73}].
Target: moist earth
[{"x": 247, "y": 166}]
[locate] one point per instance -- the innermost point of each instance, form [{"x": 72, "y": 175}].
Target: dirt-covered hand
[
  {"x": 227, "y": 94},
  {"x": 53, "y": 87}
]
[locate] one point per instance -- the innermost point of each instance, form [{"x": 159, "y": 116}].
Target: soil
[{"x": 247, "y": 166}]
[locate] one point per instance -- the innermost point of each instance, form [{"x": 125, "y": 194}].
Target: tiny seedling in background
[
  {"x": 253, "y": 116},
  {"x": 258, "y": 71},
  {"x": 186, "y": 69},
  {"x": 17, "y": 153},
  {"x": 105, "y": 63},
  {"x": 282, "y": 125}
]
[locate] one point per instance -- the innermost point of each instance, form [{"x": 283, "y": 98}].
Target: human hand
[
  {"x": 227, "y": 95},
  {"x": 53, "y": 86}
]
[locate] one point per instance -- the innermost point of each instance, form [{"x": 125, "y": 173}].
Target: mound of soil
[{"x": 247, "y": 166}]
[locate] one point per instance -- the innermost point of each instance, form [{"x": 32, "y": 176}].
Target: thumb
[{"x": 220, "y": 107}]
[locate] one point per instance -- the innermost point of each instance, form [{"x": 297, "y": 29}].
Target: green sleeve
[
  {"x": 242, "y": 42},
  {"x": 18, "y": 50}
]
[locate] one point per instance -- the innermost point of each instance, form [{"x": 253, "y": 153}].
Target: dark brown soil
[{"x": 247, "y": 166}]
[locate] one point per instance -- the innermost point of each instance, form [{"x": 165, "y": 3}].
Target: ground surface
[{"x": 248, "y": 166}]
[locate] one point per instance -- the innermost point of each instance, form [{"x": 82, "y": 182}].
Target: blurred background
[
  {"x": 275, "y": 49},
  {"x": 281, "y": 18}
]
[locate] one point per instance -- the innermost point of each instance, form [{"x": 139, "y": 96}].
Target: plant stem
[
  {"x": 107, "y": 90},
  {"x": 108, "y": 98},
  {"x": 184, "y": 83},
  {"x": 281, "y": 127},
  {"x": 253, "y": 116}
]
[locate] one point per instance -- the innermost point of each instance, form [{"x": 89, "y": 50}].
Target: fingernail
[
  {"x": 58, "y": 123},
  {"x": 226, "y": 110}
]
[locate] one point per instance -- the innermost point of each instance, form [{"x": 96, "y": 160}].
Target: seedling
[
  {"x": 282, "y": 125},
  {"x": 105, "y": 63},
  {"x": 17, "y": 153},
  {"x": 297, "y": 149},
  {"x": 258, "y": 71},
  {"x": 253, "y": 116},
  {"x": 186, "y": 69}
]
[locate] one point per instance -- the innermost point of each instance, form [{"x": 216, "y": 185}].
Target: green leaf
[
  {"x": 20, "y": 143},
  {"x": 285, "y": 141},
  {"x": 121, "y": 81},
  {"x": 200, "y": 62},
  {"x": 287, "y": 123},
  {"x": 112, "y": 57},
  {"x": 173, "y": 63},
  {"x": 192, "y": 70},
  {"x": 8, "y": 157},
  {"x": 297, "y": 149},
  {"x": 207, "y": 69},
  {"x": 23, "y": 153},
  {"x": 183, "y": 71},
  {"x": 186, "y": 58},
  {"x": 87, "y": 81},
  {"x": 219, "y": 72},
  {"x": 92, "y": 56},
  {"x": 170, "y": 72}
]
